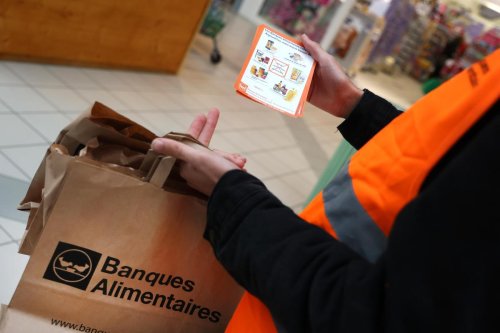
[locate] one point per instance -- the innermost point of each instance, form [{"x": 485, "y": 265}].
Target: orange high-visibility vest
[{"x": 360, "y": 205}]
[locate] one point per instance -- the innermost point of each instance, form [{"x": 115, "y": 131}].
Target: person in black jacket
[{"x": 440, "y": 269}]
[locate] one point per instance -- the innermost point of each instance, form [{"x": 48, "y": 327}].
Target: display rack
[
  {"x": 481, "y": 47},
  {"x": 355, "y": 39},
  {"x": 397, "y": 19},
  {"x": 410, "y": 44},
  {"x": 433, "y": 42}
]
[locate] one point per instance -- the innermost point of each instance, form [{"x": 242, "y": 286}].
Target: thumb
[
  {"x": 173, "y": 148},
  {"x": 313, "y": 48}
]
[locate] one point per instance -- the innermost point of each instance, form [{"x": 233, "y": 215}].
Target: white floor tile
[
  {"x": 400, "y": 90},
  {"x": 8, "y": 169},
  {"x": 324, "y": 132},
  {"x": 133, "y": 100},
  {"x": 107, "y": 79},
  {"x": 186, "y": 101},
  {"x": 161, "y": 123},
  {"x": 184, "y": 85},
  {"x": 214, "y": 100},
  {"x": 13, "y": 228},
  {"x": 24, "y": 99},
  {"x": 329, "y": 147},
  {"x": 184, "y": 119},
  {"x": 27, "y": 158},
  {"x": 93, "y": 95},
  {"x": 259, "y": 138},
  {"x": 231, "y": 120},
  {"x": 282, "y": 191},
  {"x": 13, "y": 265},
  {"x": 256, "y": 168},
  {"x": 74, "y": 77},
  {"x": 314, "y": 116},
  {"x": 3, "y": 108},
  {"x": 161, "y": 82},
  {"x": 225, "y": 121},
  {"x": 35, "y": 74},
  {"x": 301, "y": 182},
  {"x": 72, "y": 115},
  {"x": 4, "y": 238},
  {"x": 220, "y": 142},
  {"x": 272, "y": 162},
  {"x": 14, "y": 131},
  {"x": 281, "y": 137},
  {"x": 48, "y": 124},
  {"x": 267, "y": 119},
  {"x": 162, "y": 101},
  {"x": 293, "y": 157},
  {"x": 7, "y": 77},
  {"x": 259, "y": 119},
  {"x": 64, "y": 99},
  {"x": 269, "y": 136},
  {"x": 136, "y": 80},
  {"x": 243, "y": 141}
]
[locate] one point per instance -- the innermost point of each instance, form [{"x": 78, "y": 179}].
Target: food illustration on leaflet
[
  {"x": 295, "y": 56},
  {"x": 280, "y": 88},
  {"x": 260, "y": 72},
  {"x": 295, "y": 74},
  {"x": 270, "y": 46},
  {"x": 290, "y": 94},
  {"x": 261, "y": 57}
]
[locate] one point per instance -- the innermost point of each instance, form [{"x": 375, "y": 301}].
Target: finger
[
  {"x": 314, "y": 49},
  {"x": 310, "y": 46},
  {"x": 174, "y": 148},
  {"x": 235, "y": 158},
  {"x": 211, "y": 123},
  {"x": 197, "y": 126}
]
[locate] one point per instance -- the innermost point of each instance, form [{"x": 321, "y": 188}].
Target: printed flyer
[{"x": 277, "y": 72}]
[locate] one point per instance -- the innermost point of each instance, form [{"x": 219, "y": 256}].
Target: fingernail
[{"x": 157, "y": 144}]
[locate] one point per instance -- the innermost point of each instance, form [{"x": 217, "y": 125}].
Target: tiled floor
[{"x": 37, "y": 101}]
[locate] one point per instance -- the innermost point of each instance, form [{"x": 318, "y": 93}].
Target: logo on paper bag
[{"x": 72, "y": 265}]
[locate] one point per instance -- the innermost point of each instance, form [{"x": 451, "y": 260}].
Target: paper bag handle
[{"x": 162, "y": 171}]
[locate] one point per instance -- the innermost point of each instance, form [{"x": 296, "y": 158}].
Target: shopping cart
[{"x": 212, "y": 25}]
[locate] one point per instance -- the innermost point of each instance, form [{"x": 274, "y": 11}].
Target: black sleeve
[
  {"x": 370, "y": 115},
  {"x": 309, "y": 281}
]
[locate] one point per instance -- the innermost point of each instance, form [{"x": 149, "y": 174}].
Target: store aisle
[{"x": 37, "y": 100}]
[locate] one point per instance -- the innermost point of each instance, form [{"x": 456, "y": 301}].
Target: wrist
[{"x": 349, "y": 98}]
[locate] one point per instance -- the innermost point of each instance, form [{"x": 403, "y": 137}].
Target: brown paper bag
[
  {"x": 100, "y": 134},
  {"x": 25, "y": 322},
  {"x": 123, "y": 255},
  {"x": 118, "y": 249},
  {"x": 98, "y": 122}
]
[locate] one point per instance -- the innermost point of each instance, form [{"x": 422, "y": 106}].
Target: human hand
[
  {"x": 203, "y": 127},
  {"x": 201, "y": 167},
  {"x": 331, "y": 89}
]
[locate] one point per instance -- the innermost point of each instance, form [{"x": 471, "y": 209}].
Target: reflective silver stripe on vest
[
  {"x": 349, "y": 219},
  {"x": 353, "y": 226}
]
